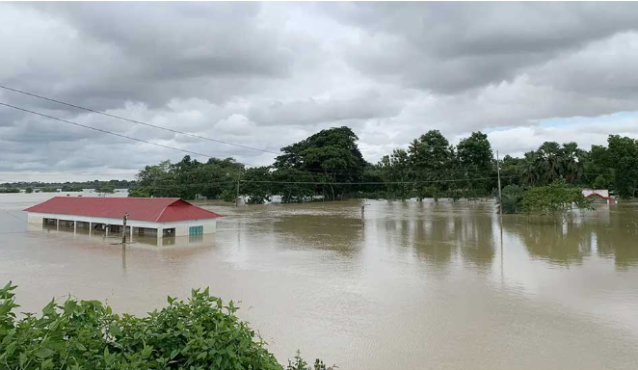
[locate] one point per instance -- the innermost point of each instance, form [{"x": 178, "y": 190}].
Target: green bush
[
  {"x": 139, "y": 193},
  {"x": 228, "y": 196},
  {"x": 201, "y": 333},
  {"x": 512, "y": 199},
  {"x": 556, "y": 198}
]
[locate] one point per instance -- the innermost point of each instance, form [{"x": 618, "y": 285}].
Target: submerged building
[{"x": 160, "y": 217}]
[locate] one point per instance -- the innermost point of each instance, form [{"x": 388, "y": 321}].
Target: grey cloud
[
  {"x": 152, "y": 52},
  {"x": 368, "y": 105},
  {"x": 450, "y": 47}
]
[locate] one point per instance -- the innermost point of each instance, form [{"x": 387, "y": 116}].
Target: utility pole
[
  {"x": 124, "y": 228},
  {"x": 500, "y": 196},
  {"x": 237, "y": 198}
]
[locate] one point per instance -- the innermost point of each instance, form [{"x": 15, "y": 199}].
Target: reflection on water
[
  {"x": 609, "y": 232},
  {"x": 404, "y": 285}
]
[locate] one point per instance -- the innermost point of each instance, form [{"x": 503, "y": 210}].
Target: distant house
[
  {"x": 601, "y": 193},
  {"x": 161, "y": 217}
]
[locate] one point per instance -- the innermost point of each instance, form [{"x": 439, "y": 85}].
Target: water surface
[{"x": 405, "y": 285}]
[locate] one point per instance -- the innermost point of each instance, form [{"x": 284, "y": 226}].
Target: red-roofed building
[{"x": 145, "y": 216}]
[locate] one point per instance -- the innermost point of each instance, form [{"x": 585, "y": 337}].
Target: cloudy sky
[{"x": 266, "y": 75}]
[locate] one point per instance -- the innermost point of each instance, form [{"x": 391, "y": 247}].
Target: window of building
[{"x": 196, "y": 230}]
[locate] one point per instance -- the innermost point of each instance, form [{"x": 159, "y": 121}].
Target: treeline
[
  {"x": 329, "y": 165},
  {"x": 51, "y": 187},
  {"x": 613, "y": 167}
]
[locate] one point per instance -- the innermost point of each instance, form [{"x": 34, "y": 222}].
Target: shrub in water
[{"x": 512, "y": 199}]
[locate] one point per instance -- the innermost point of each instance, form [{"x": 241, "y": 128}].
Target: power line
[
  {"x": 12, "y": 215},
  {"x": 136, "y": 121},
  {"x": 325, "y": 183},
  {"x": 372, "y": 182},
  {"x": 156, "y": 126},
  {"x": 105, "y": 131}
]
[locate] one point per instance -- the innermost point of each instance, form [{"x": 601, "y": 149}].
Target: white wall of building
[{"x": 182, "y": 228}]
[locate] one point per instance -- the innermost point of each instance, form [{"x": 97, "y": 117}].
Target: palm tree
[
  {"x": 571, "y": 167},
  {"x": 551, "y": 156},
  {"x": 531, "y": 169}
]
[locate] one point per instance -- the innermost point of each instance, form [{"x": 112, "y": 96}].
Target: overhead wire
[
  {"x": 12, "y": 215},
  {"x": 149, "y": 125},
  {"x": 135, "y": 121},
  {"x": 105, "y": 131}
]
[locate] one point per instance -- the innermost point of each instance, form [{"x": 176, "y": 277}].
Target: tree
[
  {"x": 556, "y": 198},
  {"x": 571, "y": 162},
  {"x": 293, "y": 185},
  {"x": 475, "y": 159},
  {"x": 106, "y": 188},
  {"x": 512, "y": 199},
  {"x": 622, "y": 157},
  {"x": 397, "y": 170},
  {"x": 256, "y": 185},
  {"x": 189, "y": 179},
  {"x": 431, "y": 158},
  {"x": 331, "y": 155},
  {"x": 550, "y": 161},
  {"x": 29, "y": 190}
]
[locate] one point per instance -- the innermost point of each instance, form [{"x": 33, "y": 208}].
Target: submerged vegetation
[
  {"x": 201, "y": 333},
  {"x": 555, "y": 198},
  {"x": 512, "y": 199},
  {"x": 329, "y": 165}
]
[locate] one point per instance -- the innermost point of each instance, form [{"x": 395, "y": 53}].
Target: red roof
[{"x": 141, "y": 209}]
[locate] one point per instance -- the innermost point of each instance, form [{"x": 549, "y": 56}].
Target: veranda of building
[{"x": 148, "y": 217}]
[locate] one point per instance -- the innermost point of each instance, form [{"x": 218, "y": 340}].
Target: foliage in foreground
[
  {"x": 201, "y": 333},
  {"x": 556, "y": 198}
]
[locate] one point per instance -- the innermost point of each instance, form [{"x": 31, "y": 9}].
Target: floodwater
[{"x": 405, "y": 285}]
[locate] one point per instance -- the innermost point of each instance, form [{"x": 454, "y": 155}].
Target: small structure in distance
[
  {"x": 161, "y": 217},
  {"x": 602, "y": 193}
]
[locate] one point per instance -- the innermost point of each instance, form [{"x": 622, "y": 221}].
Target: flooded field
[{"x": 403, "y": 285}]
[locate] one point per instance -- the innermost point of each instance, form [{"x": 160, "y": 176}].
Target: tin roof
[{"x": 141, "y": 209}]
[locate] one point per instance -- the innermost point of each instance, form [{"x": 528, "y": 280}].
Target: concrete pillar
[
  {"x": 131, "y": 230},
  {"x": 57, "y": 224},
  {"x": 90, "y": 229},
  {"x": 75, "y": 227},
  {"x": 160, "y": 233},
  {"x": 107, "y": 230}
]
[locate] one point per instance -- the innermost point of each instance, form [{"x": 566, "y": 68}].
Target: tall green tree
[
  {"x": 432, "y": 160},
  {"x": 398, "y": 173},
  {"x": 622, "y": 157},
  {"x": 332, "y": 155},
  {"x": 475, "y": 159},
  {"x": 256, "y": 185}
]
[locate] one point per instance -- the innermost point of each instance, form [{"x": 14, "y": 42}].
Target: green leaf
[
  {"x": 115, "y": 330},
  {"x": 44, "y": 353}
]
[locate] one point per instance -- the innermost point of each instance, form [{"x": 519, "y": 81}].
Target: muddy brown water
[{"x": 407, "y": 285}]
